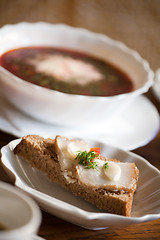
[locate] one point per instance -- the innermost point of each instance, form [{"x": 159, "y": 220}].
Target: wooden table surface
[{"x": 134, "y": 22}]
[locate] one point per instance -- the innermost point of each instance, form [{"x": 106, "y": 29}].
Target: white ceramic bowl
[
  {"x": 19, "y": 214},
  {"x": 68, "y": 109}
]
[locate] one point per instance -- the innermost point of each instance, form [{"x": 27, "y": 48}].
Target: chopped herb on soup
[{"x": 66, "y": 71}]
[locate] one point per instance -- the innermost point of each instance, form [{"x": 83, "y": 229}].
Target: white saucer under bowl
[{"x": 133, "y": 128}]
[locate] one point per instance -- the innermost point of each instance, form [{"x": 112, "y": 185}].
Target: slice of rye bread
[{"x": 42, "y": 154}]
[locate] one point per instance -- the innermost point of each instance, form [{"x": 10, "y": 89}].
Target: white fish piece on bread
[{"x": 56, "y": 158}]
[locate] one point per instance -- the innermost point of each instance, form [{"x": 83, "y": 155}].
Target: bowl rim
[{"x": 123, "y": 47}]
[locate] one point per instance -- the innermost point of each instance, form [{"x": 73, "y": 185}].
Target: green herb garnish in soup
[{"x": 66, "y": 71}]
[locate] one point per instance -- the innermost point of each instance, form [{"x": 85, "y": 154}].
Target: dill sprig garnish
[
  {"x": 87, "y": 159},
  {"x": 106, "y": 165}
]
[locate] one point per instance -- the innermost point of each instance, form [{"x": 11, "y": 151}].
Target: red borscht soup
[{"x": 66, "y": 71}]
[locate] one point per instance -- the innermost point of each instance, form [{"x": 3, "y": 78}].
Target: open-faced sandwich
[{"x": 106, "y": 183}]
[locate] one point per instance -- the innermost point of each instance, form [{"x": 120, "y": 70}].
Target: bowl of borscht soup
[{"x": 69, "y": 76}]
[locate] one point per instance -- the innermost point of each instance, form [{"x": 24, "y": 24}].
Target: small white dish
[
  {"x": 133, "y": 128},
  {"x": 19, "y": 214},
  {"x": 70, "y": 109},
  {"x": 56, "y": 200}
]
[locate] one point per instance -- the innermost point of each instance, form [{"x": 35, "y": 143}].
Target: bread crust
[{"x": 43, "y": 154}]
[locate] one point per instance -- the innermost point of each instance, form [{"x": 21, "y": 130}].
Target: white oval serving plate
[{"x": 52, "y": 198}]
